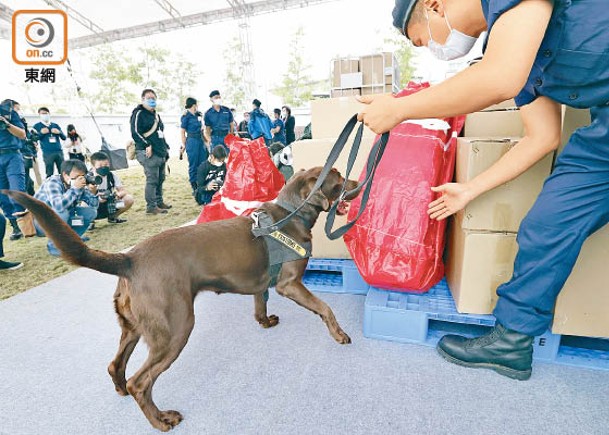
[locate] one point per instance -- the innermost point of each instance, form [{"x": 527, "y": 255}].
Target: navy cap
[
  {"x": 214, "y": 94},
  {"x": 401, "y": 14}
]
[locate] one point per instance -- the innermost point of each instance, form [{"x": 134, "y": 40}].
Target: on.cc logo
[{"x": 39, "y": 32}]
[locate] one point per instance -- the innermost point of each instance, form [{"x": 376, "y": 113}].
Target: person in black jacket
[
  {"x": 151, "y": 150},
  {"x": 290, "y": 124},
  {"x": 210, "y": 175}
]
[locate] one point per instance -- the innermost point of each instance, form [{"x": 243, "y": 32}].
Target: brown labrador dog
[{"x": 160, "y": 277}]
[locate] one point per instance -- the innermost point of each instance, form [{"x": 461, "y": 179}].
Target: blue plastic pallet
[
  {"x": 425, "y": 318},
  {"x": 334, "y": 276}
]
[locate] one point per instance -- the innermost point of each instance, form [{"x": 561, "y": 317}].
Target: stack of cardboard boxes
[
  {"x": 482, "y": 237},
  {"x": 365, "y": 75},
  {"x": 328, "y": 119}
]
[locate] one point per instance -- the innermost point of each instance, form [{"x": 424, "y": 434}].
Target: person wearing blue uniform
[
  {"x": 219, "y": 121},
  {"x": 191, "y": 129},
  {"x": 12, "y": 170},
  {"x": 544, "y": 53},
  {"x": 260, "y": 124},
  {"x": 278, "y": 129},
  {"x": 50, "y": 135}
]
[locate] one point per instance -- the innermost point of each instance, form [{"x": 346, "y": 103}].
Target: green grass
[{"x": 40, "y": 267}]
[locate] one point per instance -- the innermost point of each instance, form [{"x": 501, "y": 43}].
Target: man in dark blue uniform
[
  {"x": 219, "y": 121},
  {"x": 12, "y": 171},
  {"x": 191, "y": 127},
  {"x": 50, "y": 135},
  {"x": 543, "y": 53}
]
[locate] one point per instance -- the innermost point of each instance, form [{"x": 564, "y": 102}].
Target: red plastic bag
[
  {"x": 251, "y": 179},
  {"x": 394, "y": 244}
]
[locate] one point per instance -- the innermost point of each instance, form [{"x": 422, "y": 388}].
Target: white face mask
[
  {"x": 217, "y": 163},
  {"x": 218, "y": 102},
  {"x": 457, "y": 44},
  {"x": 45, "y": 118}
]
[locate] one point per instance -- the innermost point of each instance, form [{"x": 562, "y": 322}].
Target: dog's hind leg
[
  {"x": 129, "y": 337},
  {"x": 260, "y": 312},
  {"x": 166, "y": 338}
]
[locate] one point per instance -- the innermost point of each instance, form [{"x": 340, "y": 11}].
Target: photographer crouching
[
  {"x": 65, "y": 193},
  {"x": 114, "y": 200}
]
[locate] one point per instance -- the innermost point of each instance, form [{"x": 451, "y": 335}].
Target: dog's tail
[{"x": 67, "y": 241}]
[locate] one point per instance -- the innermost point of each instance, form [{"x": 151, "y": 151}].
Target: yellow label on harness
[{"x": 279, "y": 236}]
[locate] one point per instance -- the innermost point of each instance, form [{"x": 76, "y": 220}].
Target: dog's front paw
[
  {"x": 269, "y": 322},
  {"x": 343, "y": 338}
]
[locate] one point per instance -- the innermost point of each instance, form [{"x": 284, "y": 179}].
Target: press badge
[
  {"x": 77, "y": 221},
  {"x": 52, "y": 139},
  {"x": 161, "y": 134}
]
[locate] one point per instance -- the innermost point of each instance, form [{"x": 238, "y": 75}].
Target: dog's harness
[{"x": 281, "y": 247}]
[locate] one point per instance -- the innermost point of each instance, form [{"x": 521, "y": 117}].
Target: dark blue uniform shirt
[
  {"x": 572, "y": 64},
  {"x": 280, "y": 135},
  {"x": 49, "y": 142},
  {"x": 219, "y": 120},
  {"x": 191, "y": 123},
  {"x": 7, "y": 140}
]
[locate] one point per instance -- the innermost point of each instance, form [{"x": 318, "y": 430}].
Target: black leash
[{"x": 373, "y": 161}]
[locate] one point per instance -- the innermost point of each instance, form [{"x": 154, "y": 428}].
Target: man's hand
[
  {"x": 455, "y": 196},
  {"x": 55, "y": 131},
  {"x": 149, "y": 151},
  {"x": 44, "y": 130},
  {"x": 93, "y": 188},
  {"x": 213, "y": 186},
  {"x": 79, "y": 183},
  {"x": 380, "y": 113}
]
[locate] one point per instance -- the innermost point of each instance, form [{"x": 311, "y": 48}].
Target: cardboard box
[
  {"x": 495, "y": 123},
  {"x": 375, "y": 68},
  {"x": 351, "y": 80},
  {"x": 311, "y": 153},
  {"x": 477, "y": 263},
  {"x": 336, "y": 93},
  {"x": 572, "y": 119},
  {"x": 329, "y": 116},
  {"x": 503, "y": 208},
  {"x": 343, "y": 66},
  {"x": 371, "y": 90},
  {"x": 582, "y": 307}
]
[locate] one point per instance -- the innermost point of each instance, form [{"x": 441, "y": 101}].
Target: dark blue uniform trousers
[
  {"x": 196, "y": 151},
  {"x": 12, "y": 176},
  {"x": 573, "y": 204}
]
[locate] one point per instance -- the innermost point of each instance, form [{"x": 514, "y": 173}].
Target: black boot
[
  {"x": 194, "y": 188},
  {"x": 17, "y": 234},
  {"x": 508, "y": 352}
]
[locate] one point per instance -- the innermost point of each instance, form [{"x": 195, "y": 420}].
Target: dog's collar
[
  {"x": 281, "y": 247},
  {"x": 291, "y": 209}
]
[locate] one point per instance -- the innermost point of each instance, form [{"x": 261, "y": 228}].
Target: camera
[
  {"x": 5, "y": 115},
  {"x": 113, "y": 203},
  {"x": 91, "y": 178},
  {"x": 34, "y": 136},
  {"x": 219, "y": 181}
]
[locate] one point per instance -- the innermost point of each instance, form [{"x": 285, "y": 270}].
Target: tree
[
  {"x": 116, "y": 73},
  {"x": 234, "y": 86},
  {"x": 403, "y": 52},
  {"x": 296, "y": 86}
]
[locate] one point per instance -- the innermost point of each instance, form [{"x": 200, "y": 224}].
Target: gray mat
[{"x": 235, "y": 378}]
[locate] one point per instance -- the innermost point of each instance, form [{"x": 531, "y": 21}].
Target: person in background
[
  {"x": 210, "y": 175},
  {"x": 278, "y": 127},
  {"x": 233, "y": 111},
  {"x": 290, "y": 124},
  {"x": 218, "y": 121},
  {"x": 64, "y": 193},
  {"x": 29, "y": 151},
  {"x": 114, "y": 199},
  {"x": 242, "y": 128},
  {"x": 73, "y": 144},
  {"x": 147, "y": 131},
  {"x": 12, "y": 172},
  {"x": 191, "y": 129},
  {"x": 50, "y": 135},
  {"x": 259, "y": 124},
  {"x": 6, "y": 265}
]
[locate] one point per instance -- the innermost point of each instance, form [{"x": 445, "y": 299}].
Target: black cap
[
  {"x": 401, "y": 14},
  {"x": 214, "y": 94},
  {"x": 256, "y": 102}
]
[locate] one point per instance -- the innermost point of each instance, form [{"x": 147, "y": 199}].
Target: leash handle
[
  {"x": 332, "y": 157},
  {"x": 374, "y": 159}
]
